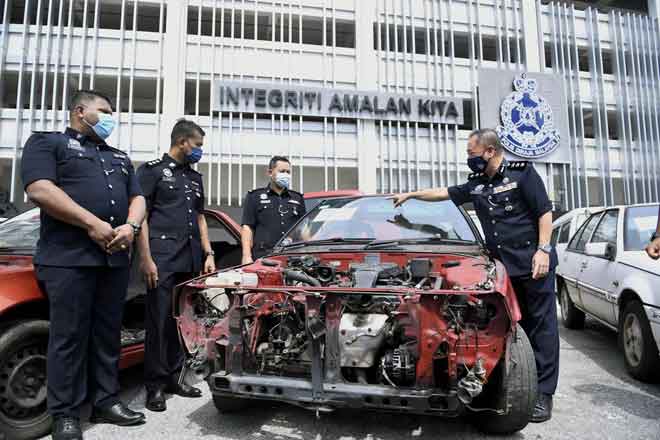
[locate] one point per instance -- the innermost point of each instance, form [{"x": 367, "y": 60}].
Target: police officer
[
  {"x": 269, "y": 212},
  {"x": 174, "y": 247},
  {"x": 91, "y": 207},
  {"x": 515, "y": 212}
]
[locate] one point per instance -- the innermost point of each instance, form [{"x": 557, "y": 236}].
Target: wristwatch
[
  {"x": 547, "y": 248},
  {"x": 210, "y": 254},
  {"x": 136, "y": 228}
]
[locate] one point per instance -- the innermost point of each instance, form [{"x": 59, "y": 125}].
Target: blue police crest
[{"x": 527, "y": 128}]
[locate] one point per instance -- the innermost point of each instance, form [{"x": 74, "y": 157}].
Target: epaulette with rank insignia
[
  {"x": 518, "y": 165},
  {"x": 475, "y": 176},
  {"x": 153, "y": 163},
  {"x": 117, "y": 150}
]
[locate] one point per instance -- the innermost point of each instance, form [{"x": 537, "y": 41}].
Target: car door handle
[{"x": 584, "y": 265}]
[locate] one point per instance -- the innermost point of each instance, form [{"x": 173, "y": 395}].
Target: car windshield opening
[{"x": 362, "y": 220}]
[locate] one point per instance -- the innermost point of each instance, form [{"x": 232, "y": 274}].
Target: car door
[
  {"x": 598, "y": 273},
  {"x": 573, "y": 258}
]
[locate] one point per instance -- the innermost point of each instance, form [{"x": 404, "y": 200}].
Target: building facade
[{"x": 160, "y": 60}]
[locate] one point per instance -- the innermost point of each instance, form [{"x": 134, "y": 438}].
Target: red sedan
[{"x": 24, "y": 317}]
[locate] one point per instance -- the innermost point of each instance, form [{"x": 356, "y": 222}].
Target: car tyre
[
  {"x": 23, "y": 353},
  {"x": 230, "y": 404},
  {"x": 571, "y": 316},
  {"x": 640, "y": 351},
  {"x": 517, "y": 391}
]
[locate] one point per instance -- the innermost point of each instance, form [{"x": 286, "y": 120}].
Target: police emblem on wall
[{"x": 528, "y": 128}]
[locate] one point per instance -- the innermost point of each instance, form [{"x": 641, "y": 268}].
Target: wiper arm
[
  {"x": 336, "y": 240},
  {"x": 421, "y": 240}
]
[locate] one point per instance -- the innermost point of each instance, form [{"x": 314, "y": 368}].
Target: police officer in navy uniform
[
  {"x": 515, "y": 212},
  {"x": 174, "y": 247},
  {"x": 269, "y": 212},
  {"x": 91, "y": 209}
]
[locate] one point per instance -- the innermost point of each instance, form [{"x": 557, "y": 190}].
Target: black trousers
[
  {"x": 163, "y": 355},
  {"x": 538, "y": 305},
  {"x": 86, "y": 308}
]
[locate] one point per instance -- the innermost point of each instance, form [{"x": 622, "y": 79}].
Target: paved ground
[{"x": 596, "y": 400}]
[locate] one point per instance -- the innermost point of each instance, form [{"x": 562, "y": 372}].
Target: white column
[
  {"x": 533, "y": 44},
  {"x": 365, "y": 17},
  {"x": 173, "y": 68},
  {"x": 530, "y": 27}
]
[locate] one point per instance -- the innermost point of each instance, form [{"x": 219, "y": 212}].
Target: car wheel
[
  {"x": 230, "y": 404},
  {"x": 515, "y": 390},
  {"x": 571, "y": 316},
  {"x": 23, "y": 350},
  {"x": 640, "y": 352}
]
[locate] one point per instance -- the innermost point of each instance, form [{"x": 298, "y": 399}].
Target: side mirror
[{"x": 602, "y": 250}]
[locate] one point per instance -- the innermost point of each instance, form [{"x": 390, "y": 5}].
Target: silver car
[{"x": 606, "y": 274}]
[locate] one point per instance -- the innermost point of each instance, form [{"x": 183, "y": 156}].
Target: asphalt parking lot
[{"x": 596, "y": 399}]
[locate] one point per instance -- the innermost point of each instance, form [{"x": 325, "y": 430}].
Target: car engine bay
[{"x": 398, "y": 323}]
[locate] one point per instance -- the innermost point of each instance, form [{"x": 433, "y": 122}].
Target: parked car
[
  {"x": 24, "y": 317},
  {"x": 565, "y": 227},
  {"x": 606, "y": 274},
  {"x": 24, "y": 320},
  {"x": 363, "y": 305}
]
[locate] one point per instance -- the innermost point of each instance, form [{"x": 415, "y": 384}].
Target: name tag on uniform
[
  {"x": 265, "y": 201},
  {"x": 169, "y": 179},
  {"x": 75, "y": 145},
  {"x": 504, "y": 188}
]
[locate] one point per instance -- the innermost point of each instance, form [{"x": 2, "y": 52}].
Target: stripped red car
[
  {"x": 24, "y": 316},
  {"x": 364, "y": 305}
]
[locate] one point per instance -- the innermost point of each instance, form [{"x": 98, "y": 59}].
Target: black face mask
[{"x": 477, "y": 164}]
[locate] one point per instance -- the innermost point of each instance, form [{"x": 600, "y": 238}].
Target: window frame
[{"x": 578, "y": 235}]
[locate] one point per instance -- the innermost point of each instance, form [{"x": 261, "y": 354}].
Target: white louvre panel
[{"x": 158, "y": 61}]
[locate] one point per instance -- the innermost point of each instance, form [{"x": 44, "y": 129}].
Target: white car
[
  {"x": 606, "y": 274},
  {"x": 565, "y": 227}
]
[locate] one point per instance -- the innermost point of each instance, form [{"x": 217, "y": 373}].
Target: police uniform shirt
[
  {"x": 271, "y": 215},
  {"x": 175, "y": 197},
  {"x": 96, "y": 176},
  {"x": 508, "y": 206}
]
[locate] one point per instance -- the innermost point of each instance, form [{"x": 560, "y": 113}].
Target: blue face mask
[
  {"x": 103, "y": 128},
  {"x": 283, "y": 180},
  {"x": 477, "y": 164},
  {"x": 195, "y": 155}
]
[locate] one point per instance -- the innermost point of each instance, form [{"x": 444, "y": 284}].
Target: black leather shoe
[
  {"x": 183, "y": 390},
  {"x": 118, "y": 414},
  {"x": 66, "y": 428},
  {"x": 543, "y": 409},
  {"x": 156, "y": 400}
]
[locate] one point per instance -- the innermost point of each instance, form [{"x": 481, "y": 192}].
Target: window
[
  {"x": 218, "y": 231},
  {"x": 606, "y": 230},
  {"x": 267, "y": 26},
  {"x": 640, "y": 224},
  {"x": 565, "y": 234},
  {"x": 109, "y": 14},
  {"x": 581, "y": 238},
  {"x": 555, "y": 236}
]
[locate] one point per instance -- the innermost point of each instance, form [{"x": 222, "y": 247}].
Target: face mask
[
  {"x": 477, "y": 164},
  {"x": 195, "y": 155},
  {"x": 104, "y": 127},
  {"x": 283, "y": 180}
]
